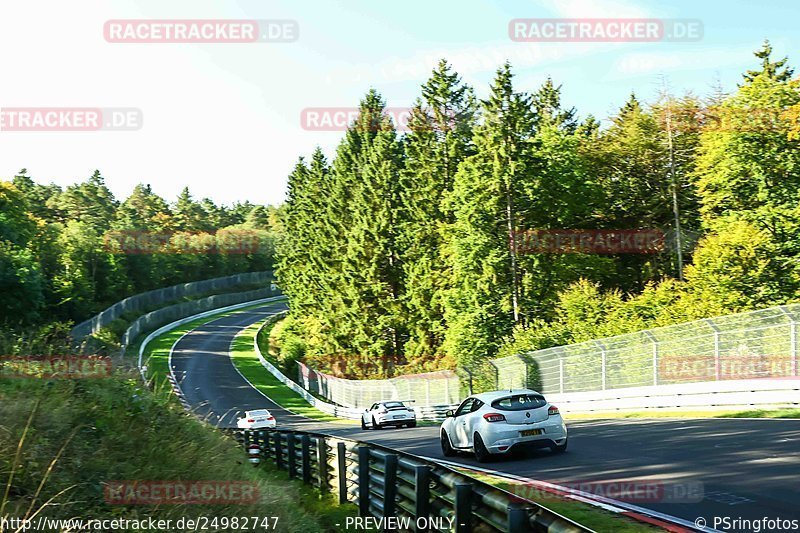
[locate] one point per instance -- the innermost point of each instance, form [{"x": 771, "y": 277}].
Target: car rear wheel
[
  {"x": 560, "y": 448},
  {"x": 481, "y": 453},
  {"x": 363, "y": 424},
  {"x": 375, "y": 425},
  {"x": 447, "y": 448},
  {"x": 412, "y": 424}
]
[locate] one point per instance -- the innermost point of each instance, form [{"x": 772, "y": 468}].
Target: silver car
[
  {"x": 501, "y": 422},
  {"x": 388, "y": 413}
]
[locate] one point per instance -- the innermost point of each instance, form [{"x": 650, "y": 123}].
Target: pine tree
[
  {"x": 188, "y": 215},
  {"x": 776, "y": 70},
  {"x": 91, "y": 202},
  {"x": 747, "y": 163},
  {"x": 439, "y": 139},
  {"x": 370, "y": 268},
  {"x": 484, "y": 300}
]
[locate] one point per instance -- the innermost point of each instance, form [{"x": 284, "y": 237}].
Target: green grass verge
[
  {"x": 587, "y": 515},
  {"x": 764, "y": 413},
  {"x": 755, "y": 413},
  {"x": 246, "y": 360}
]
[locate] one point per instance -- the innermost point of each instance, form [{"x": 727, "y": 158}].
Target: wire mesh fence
[
  {"x": 752, "y": 345},
  {"x": 433, "y": 388},
  {"x": 757, "y": 344}
]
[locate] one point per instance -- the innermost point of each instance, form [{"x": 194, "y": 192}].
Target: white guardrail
[
  {"x": 713, "y": 395},
  {"x": 433, "y": 413}
]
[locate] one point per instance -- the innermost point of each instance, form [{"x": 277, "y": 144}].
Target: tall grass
[{"x": 62, "y": 440}]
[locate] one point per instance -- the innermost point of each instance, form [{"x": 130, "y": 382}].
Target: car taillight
[
  {"x": 270, "y": 418},
  {"x": 251, "y": 420},
  {"x": 553, "y": 410},
  {"x": 494, "y": 417}
]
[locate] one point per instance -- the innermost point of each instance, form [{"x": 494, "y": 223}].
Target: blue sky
[{"x": 224, "y": 119}]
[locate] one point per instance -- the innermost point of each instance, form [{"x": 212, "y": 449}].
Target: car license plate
[
  {"x": 530, "y": 432},
  {"x": 399, "y": 416}
]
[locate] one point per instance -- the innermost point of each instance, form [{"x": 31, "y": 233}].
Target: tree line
[
  {"x": 65, "y": 255},
  {"x": 400, "y": 254}
]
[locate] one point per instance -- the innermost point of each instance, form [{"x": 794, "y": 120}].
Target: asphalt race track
[{"x": 747, "y": 468}]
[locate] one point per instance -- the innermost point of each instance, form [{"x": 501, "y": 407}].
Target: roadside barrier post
[
  {"x": 517, "y": 519},
  {"x": 305, "y": 447},
  {"x": 421, "y": 494},
  {"x": 322, "y": 464},
  {"x": 278, "y": 454},
  {"x": 291, "y": 458},
  {"x": 390, "y": 485},
  {"x": 363, "y": 481},
  {"x": 463, "y": 508},
  {"x": 265, "y": 446},
  {"x": 341, "y": 464}
]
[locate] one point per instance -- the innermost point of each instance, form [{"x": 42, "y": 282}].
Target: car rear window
[
  {"x": 519, "y": 402},
  {"x": 390, "y": 405}
]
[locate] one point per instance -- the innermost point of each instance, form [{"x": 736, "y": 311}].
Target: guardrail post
[
  {"x": 655, "y": 355},
  {"x": 305, "y": 448},
  {"x": 792, "y": 340},
  {"x": 463, "y": 508},
  {"x": 496, "y": 375},
  {"x": 525, "y": 375},
  {"x": 291, "y": 459},
  {"x": 603, "y": 373},
  {"x": 422, "y": 495},
  {"x": 717, "y": 366},
  {"x": 341, "y": 463},
  {"x": 363, "y": 481},
  {"x": 278, "y": 451},
  {"x": 793, "y": 348},
  {"x": 390, "y": 485},
  {"x": 561, "y": 375},
  {"x": 322, "y": 463},
  {"x": 518, "y": 519},
  {"x": 265, "y": 447}
]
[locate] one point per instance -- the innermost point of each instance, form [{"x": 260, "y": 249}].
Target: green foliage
[
  {"x": 402, "y": 255},
  {"x": 58, "y": 260}
]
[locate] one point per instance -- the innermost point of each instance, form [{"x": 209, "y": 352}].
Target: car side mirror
[{"x": 449, "y": 413}]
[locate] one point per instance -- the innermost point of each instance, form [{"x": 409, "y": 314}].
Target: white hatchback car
[
  {"x": 257, "y": 419},
  {"x": 388, "y": 413},
  {"x": 501, "y": 422}
]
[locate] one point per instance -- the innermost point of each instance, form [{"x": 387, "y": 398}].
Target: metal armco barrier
[{"x": 407, "y": 492}]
